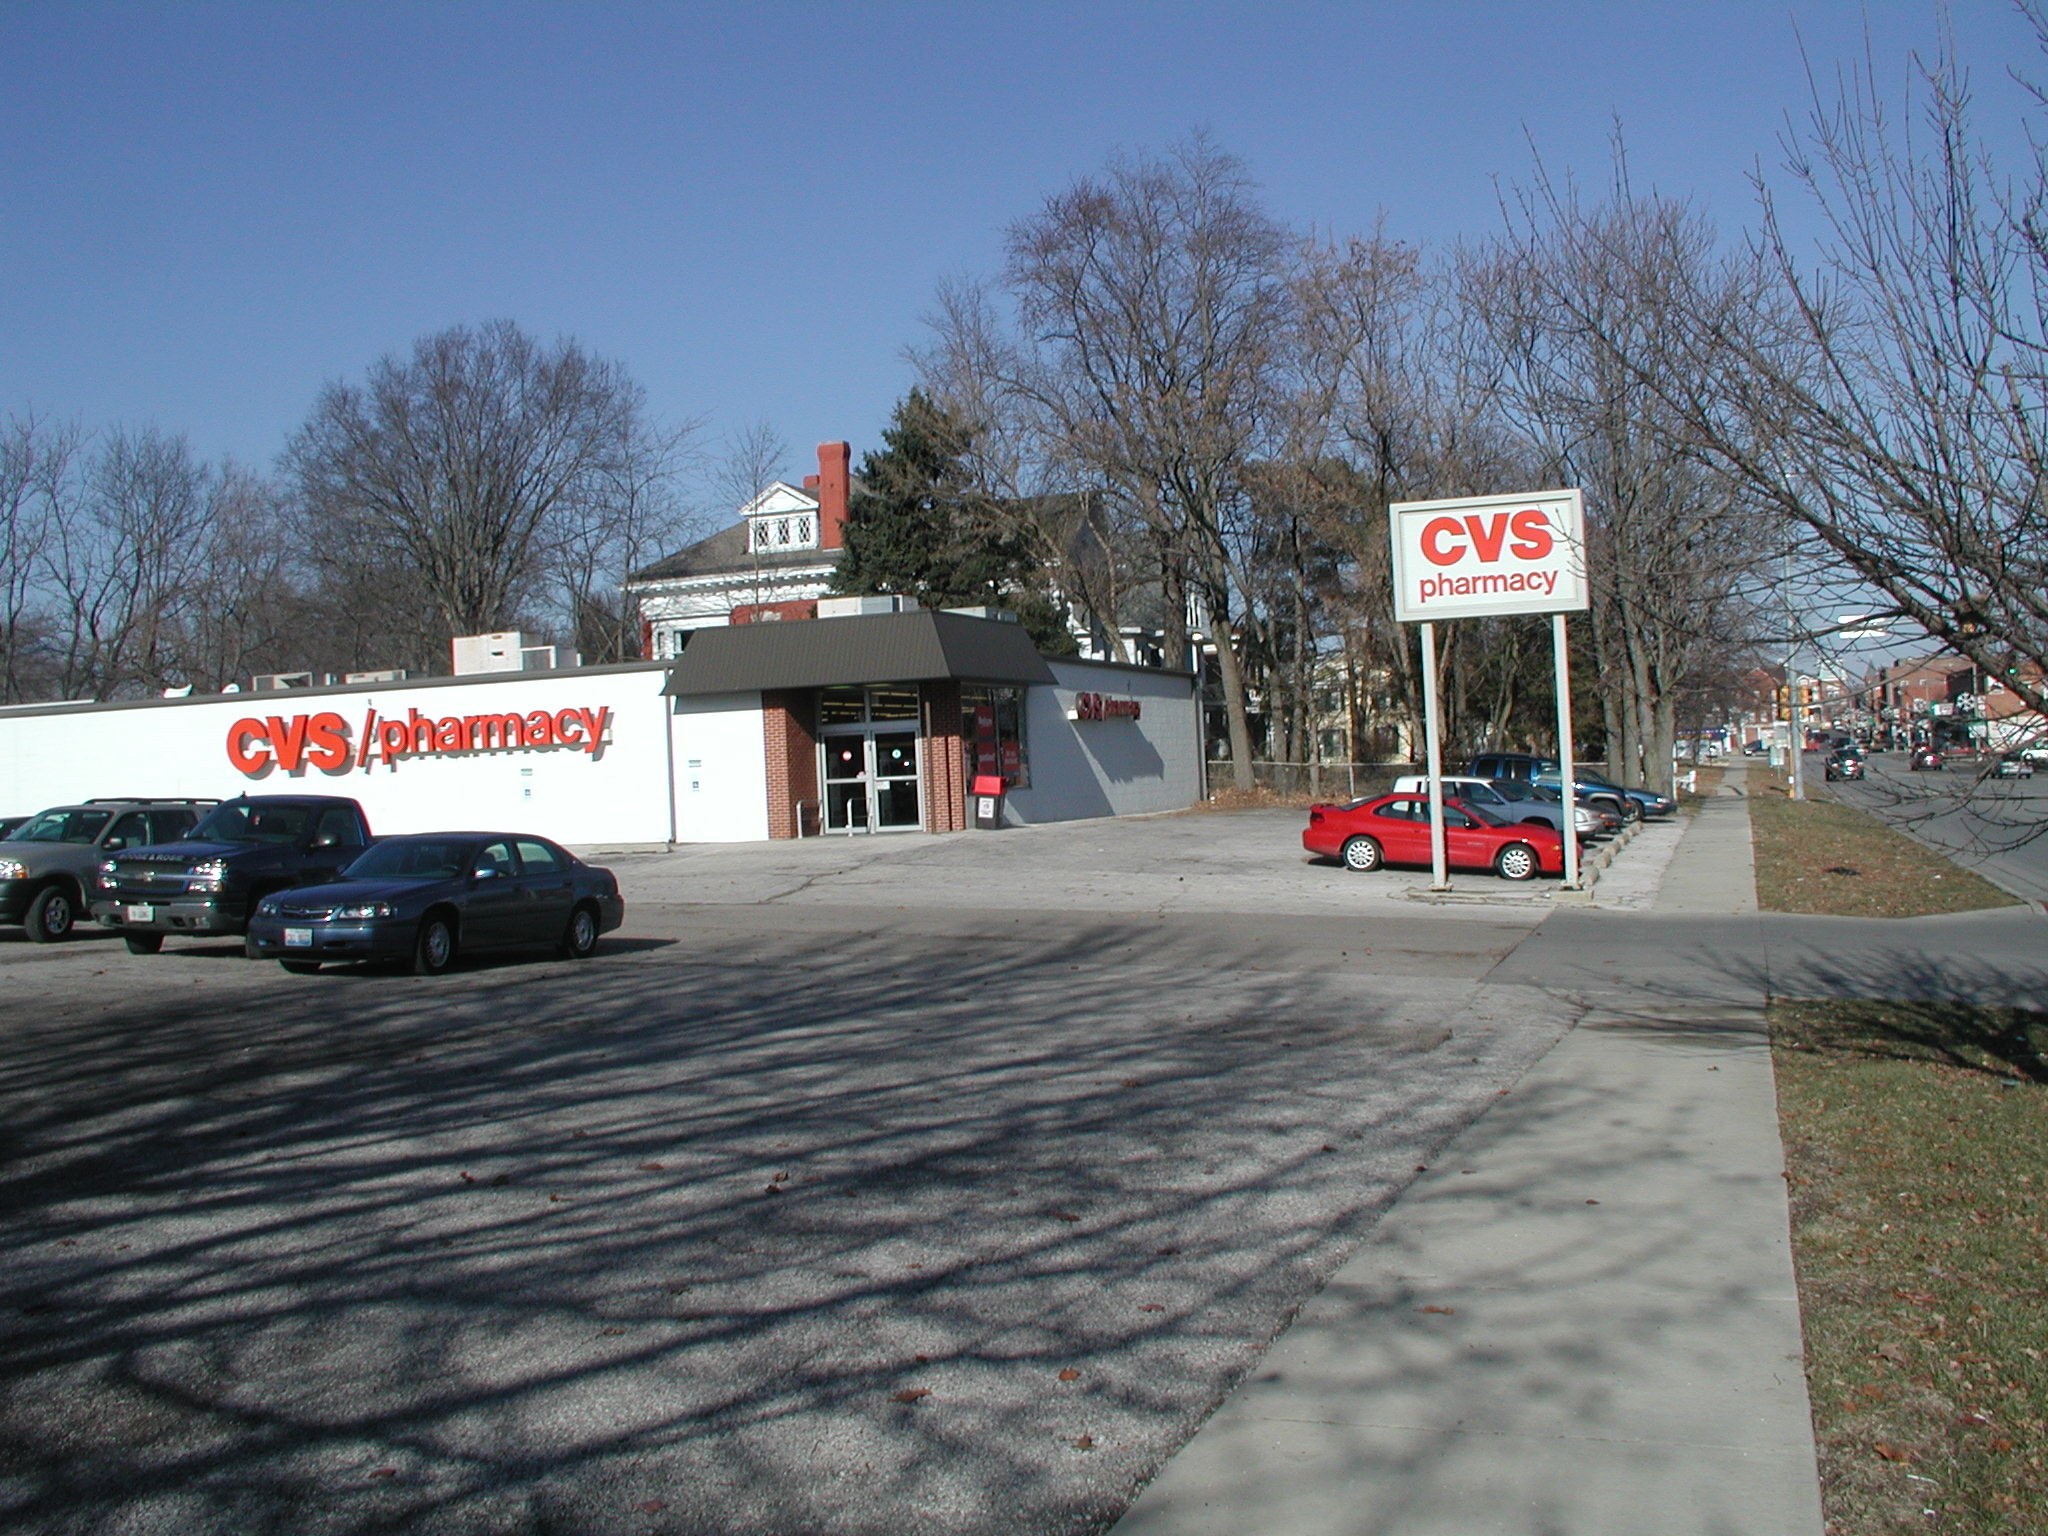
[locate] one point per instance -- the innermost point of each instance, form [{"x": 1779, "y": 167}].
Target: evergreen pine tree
[{"x": 917, "y": 526}]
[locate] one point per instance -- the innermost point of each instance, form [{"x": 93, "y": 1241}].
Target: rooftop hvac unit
[
  {"x": 270, "y": 682},
  {"x": 498, "y": 651},
  {"x": 387, "y": 675},
  {"x": 853, "y": 607},
  {"x": 536, "y": 658}
]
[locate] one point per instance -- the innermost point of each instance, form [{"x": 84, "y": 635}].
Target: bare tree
[
  {"x": 1152, "y": 306},
  {"x": 472, "y": 464},
  {"x": 37, "y": 460},
  {"x": 127, "y": 542},
  {"x": 1889, "y": 395}
]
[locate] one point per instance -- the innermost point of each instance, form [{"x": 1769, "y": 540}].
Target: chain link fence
[{"x": 1309, "y": 781}]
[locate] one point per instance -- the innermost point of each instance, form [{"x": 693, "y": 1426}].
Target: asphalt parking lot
[{"x": 909, "y": 1184}]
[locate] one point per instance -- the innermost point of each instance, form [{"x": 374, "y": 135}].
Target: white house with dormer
[{"x": 774, "y": 563}]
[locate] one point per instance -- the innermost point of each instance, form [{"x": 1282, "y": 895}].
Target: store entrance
[{"x": 871, "y": 781}]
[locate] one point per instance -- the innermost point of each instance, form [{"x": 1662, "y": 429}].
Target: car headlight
[
  {"x": 206, "y": 875},
  {"x": 107, "y": 867},
  {"x": 364, "y": 909},
  {"x": 13, "y": 869}
]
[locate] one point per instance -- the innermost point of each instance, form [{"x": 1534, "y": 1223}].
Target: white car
[{"x": 1501, "y": 799}]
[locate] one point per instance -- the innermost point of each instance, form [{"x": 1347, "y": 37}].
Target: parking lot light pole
[
  {"x": 1567, "y": 770},
  {"x": 1439, "y": 867}
]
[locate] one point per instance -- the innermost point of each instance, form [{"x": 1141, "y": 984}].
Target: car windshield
[
  {"x": 62, "y": 827},
  {"x": 241, "y": 821},
  {"x": 415, "y": 858},
  {"x": 1539, "y": 792}
]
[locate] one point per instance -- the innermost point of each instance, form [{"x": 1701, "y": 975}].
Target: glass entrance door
[
  {"x": 895, "y": 780},
  {"x": 846, "y": 784},
  {"x": 871, "y": 782}
]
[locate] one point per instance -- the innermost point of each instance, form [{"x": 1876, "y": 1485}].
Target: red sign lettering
[{"x": 296, "y": 742}]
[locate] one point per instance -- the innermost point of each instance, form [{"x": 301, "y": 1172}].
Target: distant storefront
[{"x": 874, "y": 723}]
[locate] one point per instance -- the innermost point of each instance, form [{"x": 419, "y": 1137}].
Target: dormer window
[{"x": 797, "y": 530}]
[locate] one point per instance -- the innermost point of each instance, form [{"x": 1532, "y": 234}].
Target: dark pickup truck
[{"x": 208, "y": 882}]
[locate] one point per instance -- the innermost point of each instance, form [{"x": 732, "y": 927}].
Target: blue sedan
[{"x": 426, "y": 897}]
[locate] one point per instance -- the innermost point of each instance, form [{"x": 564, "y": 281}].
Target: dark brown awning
[{"x": 863, "y": 648}]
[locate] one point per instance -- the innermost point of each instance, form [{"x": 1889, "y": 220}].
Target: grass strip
[
  {"x": 1913, "y": 1136},
  {"x": 1820, "y": 856}
]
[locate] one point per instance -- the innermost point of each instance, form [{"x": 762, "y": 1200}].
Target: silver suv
[{"x": 49, "y": 864}]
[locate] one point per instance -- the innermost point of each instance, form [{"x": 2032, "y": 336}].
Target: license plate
[
  {"x": 141, "y": 914},
  {"x": 298, "y": 938}
]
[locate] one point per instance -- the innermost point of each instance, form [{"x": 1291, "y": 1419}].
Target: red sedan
[{"x": 1394, "y": 829}]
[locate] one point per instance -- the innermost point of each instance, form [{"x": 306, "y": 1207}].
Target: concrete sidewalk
[{"x": 1581, "y": 1321}]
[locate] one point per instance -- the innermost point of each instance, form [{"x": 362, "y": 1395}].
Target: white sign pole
[
  {"x": 1567, "y": 771},
  {"x": 1439, "y": 870}
]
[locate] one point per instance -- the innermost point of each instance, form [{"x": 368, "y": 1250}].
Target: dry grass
[
  {"x": 1820, "y": 856},
  {"x": 1912, "y": 1136}
]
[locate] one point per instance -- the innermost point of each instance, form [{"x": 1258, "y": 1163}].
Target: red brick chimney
[{"x": 834, "y": 467}]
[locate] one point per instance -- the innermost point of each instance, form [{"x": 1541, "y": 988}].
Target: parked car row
[
  {"x": 1505, "y": 814},
  {"x": 301, "y": 879}
]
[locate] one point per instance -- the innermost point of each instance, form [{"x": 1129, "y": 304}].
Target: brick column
[
  {"x": 944, "y": 771},
  {"x": 792, "y": 753}
]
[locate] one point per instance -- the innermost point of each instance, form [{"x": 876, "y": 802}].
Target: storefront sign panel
[{"x": 1480, "y": 556}]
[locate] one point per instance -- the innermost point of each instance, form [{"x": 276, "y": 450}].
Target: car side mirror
[{"x": 114, "y": 845}]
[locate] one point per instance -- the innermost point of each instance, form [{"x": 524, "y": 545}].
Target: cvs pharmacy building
[{"x": 867, "y": 724}]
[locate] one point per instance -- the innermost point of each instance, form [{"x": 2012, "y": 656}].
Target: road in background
[{"x": 1997, "y": 827}]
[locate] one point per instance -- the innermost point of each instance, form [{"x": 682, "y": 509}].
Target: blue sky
[{"x": 208, "y": 210}]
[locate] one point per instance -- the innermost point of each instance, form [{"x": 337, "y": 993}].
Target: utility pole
[{"x": 1795, "y": 737}]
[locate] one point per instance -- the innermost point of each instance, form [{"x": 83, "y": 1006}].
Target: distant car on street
[
  {"x": 425, "y": 898},
  {"x": 2013, "y": 765},
  {"x": 1925, "y": 760},
  {"x": 1394, "y": 829},
  {"x": 1843, "y": 765}
]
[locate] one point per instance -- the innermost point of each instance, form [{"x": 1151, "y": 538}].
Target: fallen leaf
[
  {"x": 1085, "y": 1443},
  {"x": 558, "y": 1199},
  {"x": 1896, "y": 1353},
  {"x": 1442, "y": 1311},
  {"x": 650, "y": 1168},
  {"x": 385, "y": 1472},
  {"x": 772, "y": 1189},
  {"x": 1328, "y": 1148},
  {"x": 1070, "y": 1374},
  {"x": 1163, "y": 1253},
  {"x": 1152, "y": 1306},
  {"x": 1063, "y": 1216},
  {"x": 1132, "y": 1082},
  {"x": 649, "y": 1507},
  {"x": 780, "y": 1178},
  {"x": 912, "y": 1394},
  {"x": 469, "y": 1178},
  {"x": 1592, "y": 1202},
  {"x": 1892, "y": 1452},
  {"x": 2001, "y": 1444}
]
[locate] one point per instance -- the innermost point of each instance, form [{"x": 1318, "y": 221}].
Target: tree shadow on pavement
[{"x": 802, "y": 1236}]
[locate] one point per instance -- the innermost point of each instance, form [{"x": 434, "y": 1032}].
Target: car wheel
[
  {"x": 52, "y": 915},
  {"x": 1517, "y": 861},
  {"x": 143, "y": 943},
  {"x": 579, "y": 939},
  {"x": 435, "y": 948},
  {"x": 300, "y": 967},
  {"x": 1361, "y": 854}
]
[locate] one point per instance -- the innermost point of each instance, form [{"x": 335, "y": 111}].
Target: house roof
[
  {"x": 725, "y": 553},
  {"x": 865, "y": 648}
]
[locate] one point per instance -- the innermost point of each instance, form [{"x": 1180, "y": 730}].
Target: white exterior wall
[
  {"x": 1116, "y": 767},
  {"x": 179, "y": 747},
  {"x": 721, "y": 769}
]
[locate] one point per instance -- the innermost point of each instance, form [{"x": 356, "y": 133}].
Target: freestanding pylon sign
[{"x": 1477, "y": 557}]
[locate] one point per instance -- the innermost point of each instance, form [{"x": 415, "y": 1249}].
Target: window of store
[{"x": 992, "y": 734}]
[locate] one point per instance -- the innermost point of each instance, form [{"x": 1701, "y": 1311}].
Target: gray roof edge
[
  {"x": 324, "y": 691},
  {"x": 918, "y": 646}
]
